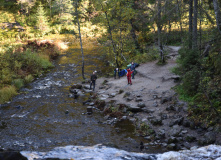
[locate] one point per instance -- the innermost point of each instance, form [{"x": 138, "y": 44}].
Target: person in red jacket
[{"x": 129, "y": 72}]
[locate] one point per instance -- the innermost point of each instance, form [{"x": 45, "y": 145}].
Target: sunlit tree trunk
[
  {"x": 218, "y": 14},
  {"x": 190, "y": 23},
  {"x": 159, "y": 27},
  {"x": 79, "y": 30},
  {"x": 195, "y": 10}
]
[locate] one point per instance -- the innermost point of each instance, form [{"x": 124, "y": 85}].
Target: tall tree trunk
[
  {"x": 218, "y": 15},
  {"x": 112, "y": 41},
  {"x": 190, "y": 23},
  {"x": 133, "y": 34},
  {"x": 79, "y": 30},
  {"x": 195, "y": 10},
  {"x": 180, "y": 16},
  {"x": 159, "y": 27}
]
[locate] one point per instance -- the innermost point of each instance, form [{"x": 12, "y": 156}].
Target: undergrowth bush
[
  {"x": 7, "y": 93},
  {"x": 201, "y": 84},
  {"x": 19, "y": 67},
  {"x": 29, "y": 78},
  {"x": 18, "y": 83}
]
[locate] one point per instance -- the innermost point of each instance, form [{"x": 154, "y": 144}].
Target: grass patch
[
  {"x": 7, "y": 93},
  {"x": 29, "y": 78}
]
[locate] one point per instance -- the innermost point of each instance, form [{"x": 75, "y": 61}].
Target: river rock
[
  {"x": 171, "y": 146},
  {"x": 160, "y": 134},
  {"x": 127, "y": 94},
  {"x": 100, "y": 104},
  {"x": 76, "y": 86},
  {"x": 73, "y": 90},
  {"x": 133, "y": 108},
  {"x": 170, "y": 108},
  {"x": 91, "y": 104},
  {"x": 12, "y": 155},
  {"x": 148, "y": 110},
  {"x": 208, "y": 138},
  {"x": 156, "y": 121},
  {"x": 190, "y": 138},
  {"x": 164, "y": 116},
  {"x": 186, "y": 123},
  {"x": 176, "y": 121},
  {"x": 104, "y": 96},
  {"x": 86, "y": 86},
  {"x": 155, "y": 104},
  {"x": 129, "y": 98},
  {"x": 175, "y": 131},
  {"x": 138, "y": 99},
  {"x": 138, "y": 95},
  {"x": 172, "y": 140},
  {"x": 141, "y": 105},
  {"x": 155, "y": 96},
  {"x": 112, "y": 95},
  {"x": 165, "y": 99}
]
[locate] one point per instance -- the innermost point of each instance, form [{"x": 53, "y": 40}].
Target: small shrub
[
  {"x": 7, "y": 93},
  {"x": 121, "y": 91},
  {"x": 29, "y": 78},
  {"x": 18, "y": 83}
]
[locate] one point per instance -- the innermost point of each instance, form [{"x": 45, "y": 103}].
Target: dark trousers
[
  {"x": 133, "y": 74},
  {"x": 115, "y": 74},
  {"x": 92, "y": 83}
]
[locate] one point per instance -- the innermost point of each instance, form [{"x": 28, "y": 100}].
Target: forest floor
[{"x": 161, "y": 111}]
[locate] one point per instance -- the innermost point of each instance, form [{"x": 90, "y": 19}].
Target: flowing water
[{"x": 36, "y": 118}]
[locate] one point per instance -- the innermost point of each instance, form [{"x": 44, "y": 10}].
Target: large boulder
[
  {"x": 208, "y": 138},
  {"x": 175, "y": 131}
]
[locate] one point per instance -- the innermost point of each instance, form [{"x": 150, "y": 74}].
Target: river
[{"x": 37, "y": 120}]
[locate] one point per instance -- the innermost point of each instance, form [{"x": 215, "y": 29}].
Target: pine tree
[
  {"x": 64, "y": 10},
  {"x": 42, "y": 22}
]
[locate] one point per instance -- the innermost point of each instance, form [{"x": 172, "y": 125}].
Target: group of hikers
[{"x": 129, "y": 71}]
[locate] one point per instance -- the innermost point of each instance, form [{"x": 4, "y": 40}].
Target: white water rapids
[{"x": 100, "y": 152}]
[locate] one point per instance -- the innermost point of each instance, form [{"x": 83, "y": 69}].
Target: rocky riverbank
[{"x": 153, "y": 106}]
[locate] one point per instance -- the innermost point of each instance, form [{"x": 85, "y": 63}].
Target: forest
[{"x": 127, "y": 30}]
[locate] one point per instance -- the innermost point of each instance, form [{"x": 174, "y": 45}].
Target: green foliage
[
  {"x": 21, "y": 65},
  {"x": 191, "y": 81},
  {"x": 201, "y": 83},
  {"x": 42, "y": 22},
  {"x": 145, "y": 57},
  {"x": 18, "y": 83},
  {"x": 145, "y": 129},
  {"x": 7, "y": 93},
  {"x": 34, "y": 63},
  {"x": 188, "y": 59}
]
